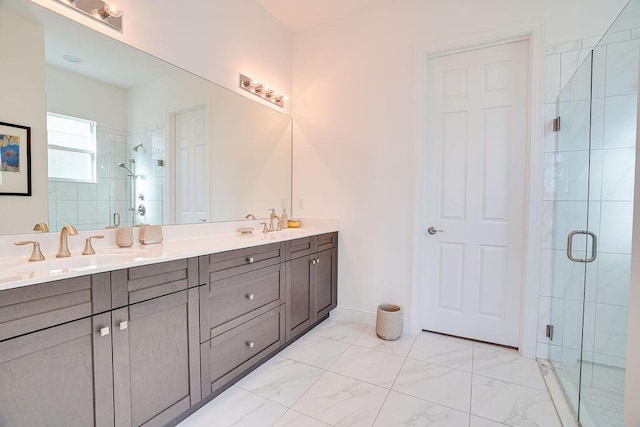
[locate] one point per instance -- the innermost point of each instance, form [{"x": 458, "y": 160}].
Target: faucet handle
[
  {"x": 88, "y": 249},
  {"x": 273, "y": 211},
  {"x": 265, "y": 229},
  {"x": 36, "y": 254}
]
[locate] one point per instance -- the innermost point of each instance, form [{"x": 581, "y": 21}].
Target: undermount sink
[{"x": 74, "y": 263}]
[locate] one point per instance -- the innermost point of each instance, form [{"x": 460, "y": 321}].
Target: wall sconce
[
  {"x": 100, "y": 10},
  {"x": 259, "y": 89}
]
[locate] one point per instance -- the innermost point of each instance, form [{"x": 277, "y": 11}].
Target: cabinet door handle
[
  {"x": 104, "y": 331},
  {"x": 317, "y": 261},
  {"x": 314, "y": 261},
  {"x": 250, "y": 260},
  {"x": 250, "y": 344},
  {"x": 123, "y": 325},
  {"x": 250, "y": 297}
]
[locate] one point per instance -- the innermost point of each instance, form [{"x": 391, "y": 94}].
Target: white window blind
[{"x": 72, "y": 148}]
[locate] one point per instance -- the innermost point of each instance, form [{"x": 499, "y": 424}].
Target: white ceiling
[{"x": 302, "y": 15}]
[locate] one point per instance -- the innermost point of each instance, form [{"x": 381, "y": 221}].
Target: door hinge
[
  {"x": 550, "y": 332},
  {"x": 556, "y": 124}
]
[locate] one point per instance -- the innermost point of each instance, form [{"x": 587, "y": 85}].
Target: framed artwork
[{"x": 15, "y": 160}]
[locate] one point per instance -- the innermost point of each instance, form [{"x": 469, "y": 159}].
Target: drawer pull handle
[
  {"x": 124, "y": 325},
  {"x": 250, "y": 260},
  {"x": 250, "y": 297},
  {"x": 104, "y": 331},
  {"x": 250, "y": 344}
]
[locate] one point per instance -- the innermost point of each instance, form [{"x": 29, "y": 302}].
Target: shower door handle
[{"x": 594, "y": 246}]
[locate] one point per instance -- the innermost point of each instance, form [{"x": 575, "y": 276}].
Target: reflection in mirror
[{"x": 134, "y": 140}]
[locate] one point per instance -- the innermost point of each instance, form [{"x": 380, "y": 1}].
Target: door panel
[
  {"x": 476, "y": 154},
  {"x": 192, "y": 171}
]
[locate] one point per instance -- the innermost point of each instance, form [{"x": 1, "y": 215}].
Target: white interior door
[
  {"x": 476, "y": 159},
  {"x": 192, "y": 170}
]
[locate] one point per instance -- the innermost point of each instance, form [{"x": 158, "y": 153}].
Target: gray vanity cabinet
[
  {"x": 325, "y": 283},
  {"x": 156, "y": 364},
  {"x": 312, "y": 281},
  {"x": 63, "y": 372},
  {"x": 299, "y": 305}
]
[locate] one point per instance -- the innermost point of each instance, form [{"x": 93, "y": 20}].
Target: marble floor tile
[
  {"x": 238, "y": 408},
  {"x": 496, "y": 347},
  {"x": 508, "y": 367},
  {"x": 483, "y": 422},
  {"x": 315, "y": 350},
  {"x": 281, "y": 380},
  {"x": 296, "y": 419},
  {"x": 371, "y": 366},
  {"x": 512, "y": 404},
  {"x": 400, "y": 347},
  {"x": 433, "y": 349},
  {"x": 341, "y": 401},
  {"x": 444, "y": 386},
  {"x": 338, "y": 330},
  {"x": 402, "y": 410}
]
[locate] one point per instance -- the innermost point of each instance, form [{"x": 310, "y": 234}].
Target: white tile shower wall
[
  {"x": 150, "y": 181},
  {"x": 613, "y": 117},
  {"x": 91, "y": 206}
]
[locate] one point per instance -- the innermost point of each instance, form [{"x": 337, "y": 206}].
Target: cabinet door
[
  {"x": 325, "y": 282},
  {"x": 58, "y": 376},
  {"x": 153, "y": 355},
  {"x": 299, "y": 305}
]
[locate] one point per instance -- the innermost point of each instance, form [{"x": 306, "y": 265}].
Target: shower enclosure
[{"x": 589, "y": 191}]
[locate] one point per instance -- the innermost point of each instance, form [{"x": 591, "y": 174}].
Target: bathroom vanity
[{"x": 149, "y": 340}]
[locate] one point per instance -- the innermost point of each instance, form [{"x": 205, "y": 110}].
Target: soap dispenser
[{"x": 284, "y": 219}]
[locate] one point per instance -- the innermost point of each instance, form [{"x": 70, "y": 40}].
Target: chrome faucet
[
  {"x": 271, "y": 218},
  {"x": 63, "y": 252}
]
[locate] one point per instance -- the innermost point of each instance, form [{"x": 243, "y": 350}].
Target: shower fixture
[
  {"x": 137, "y": 147},
  {"x": 129, "y": 172}
]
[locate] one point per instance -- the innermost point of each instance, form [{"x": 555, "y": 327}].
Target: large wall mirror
[{"x": 131, "y": 139}]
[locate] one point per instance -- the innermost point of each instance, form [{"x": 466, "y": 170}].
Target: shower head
[
  {"x": 137, "y": 147},
  {"x": 122, "y": 165}
]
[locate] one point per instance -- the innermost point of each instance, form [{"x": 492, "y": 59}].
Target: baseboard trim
[{"x": 346, "y": 314}]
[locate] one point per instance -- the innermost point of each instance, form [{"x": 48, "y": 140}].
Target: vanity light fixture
[
  {"x": 260, "y": 89},
  {"x": 100, "y": 10}
]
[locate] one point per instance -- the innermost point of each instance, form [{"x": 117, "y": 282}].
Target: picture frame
[{"x": 15, "y": 160}]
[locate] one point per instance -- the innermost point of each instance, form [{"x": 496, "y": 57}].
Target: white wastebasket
[{"x": 389, "y": 322}]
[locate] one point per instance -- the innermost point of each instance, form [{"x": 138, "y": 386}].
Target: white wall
[
  {"x": 356, "y": 97},
  {"x": 75, "y": 95},
  {"x": 216, "y": 39},
  {"x": 22, "y": 85}
]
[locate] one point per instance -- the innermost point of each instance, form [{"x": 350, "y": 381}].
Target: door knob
[{"x": 433, "y": 230}]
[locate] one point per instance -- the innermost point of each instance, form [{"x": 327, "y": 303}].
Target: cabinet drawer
[
  {"x": 229, "y": 302},
  {"x": 326, "y": 241},
  {"x": 299, "y": 247},
  {"x": 143, "y": 283},
  {"x": 230, "y": 354},
  {"x": 226, "y": 264},
  {"x": 28, "y": 309}
]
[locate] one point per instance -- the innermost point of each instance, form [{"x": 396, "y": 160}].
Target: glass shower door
[{"x": 569, "y": 247}]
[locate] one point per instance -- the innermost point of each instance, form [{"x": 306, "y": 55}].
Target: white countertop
[{"x": 179, "y": 242}]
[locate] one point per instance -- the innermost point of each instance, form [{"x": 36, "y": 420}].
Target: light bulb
[{"x": 113, "y": 10}]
